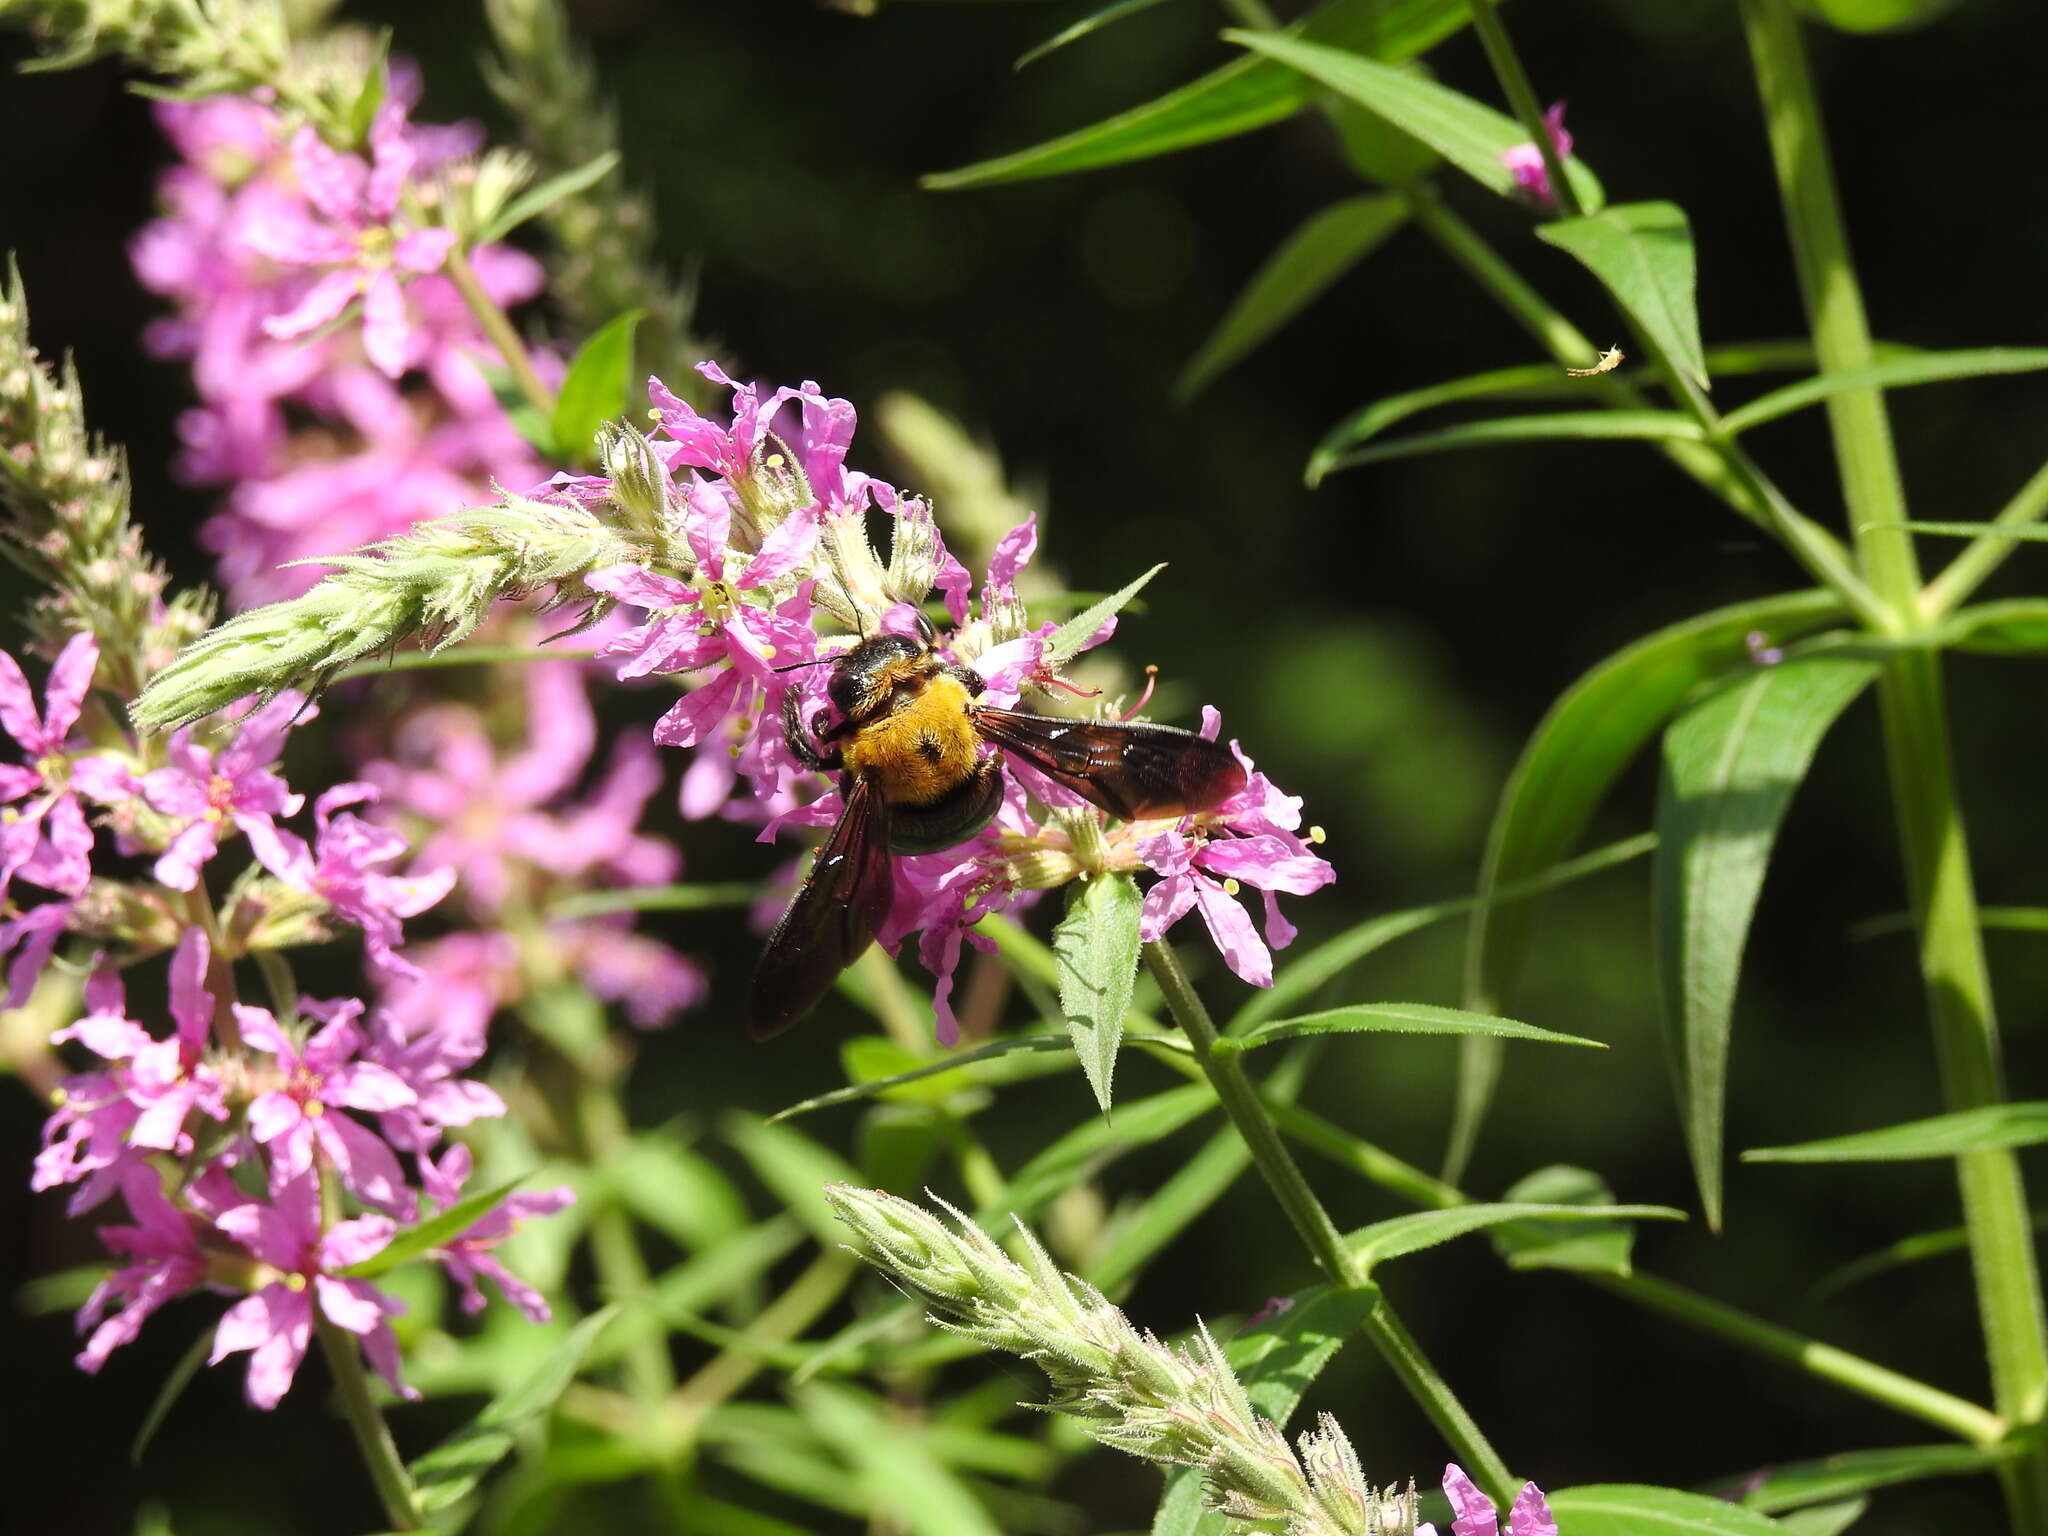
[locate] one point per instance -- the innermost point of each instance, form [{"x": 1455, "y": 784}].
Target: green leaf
[
  {"x": 675, "y": 1190},
  {"x": 1529, "y": 381},
  {"x": 65, "y": 1290},
  {"x": 943, "y": 1068},
  {"x": 1308, "y": 261},
  {"x": 1096, "y": 945},
  {"x": 1984, "y": 1129},
  {"x": 901, "y": 1475},
  {"x": 1577, "y": 751},
  {"x": 1731, "y": 763},
  {"x": 1073, "y": 33},
  {"x": 1598, "y": 1245},
  {"x": 435, "y": 1232},
  {"x": 1633, "y": 1509},
  {"x": 533, "y": 427},
  {"x": 2015, "y": 626},
  {"x": 2025, "y": 532},
  {"x": 1083, "y": 1151},
  {"x": 1505, "y": 431},
  {"x": 1471, "y": 136},
  {"x": 596, "y": 388},
  {"x": 1406, "y": 1019},
  {"x": 538, "y": 200},
  {"x": 657, "y": 898},
  {"x": 1642, "y": 254},
  {"x": 1824, "y": 1519},
  {"x": 451, "y": 1470},
  {"x": 167, "y": 1395},
  {"x": 1921, "y": 368},
  {"x": 1879, "y": 15},
  {"x": 1243, "y": 95},
  {"x": 376, "y": 82},
  {"x": 1853, "y": 1472},
  {"x": 2007, "y": 919},
  {"x": 1402, "y": 1235},
  {"x": 796, "y": 1168},
  {"x": 1277, "y": 1363},
  {"x": 1066, "y": 642},
  {"x": 1312, "y": 969}
]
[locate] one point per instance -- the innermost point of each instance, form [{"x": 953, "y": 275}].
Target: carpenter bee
[{"x": 907, "y": 749}]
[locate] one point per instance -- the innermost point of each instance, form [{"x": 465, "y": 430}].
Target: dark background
[{"x": 1381, "y": 645}]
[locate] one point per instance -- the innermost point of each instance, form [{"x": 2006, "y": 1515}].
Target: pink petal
[
  {"x": 347, "y": 1305},
  {"x": 265, "y": 1232},
  {"x": 191, "y": 1003},
  {"x": 783, "y": 550},
  {"x": 351, "y": 1242},
  {"x": 260, "y": 1028},
  {"x": 1531, "y": 1514},
  {"x": 1474, "y": 1512},
  {"x": 696, "y": 715},
  {"x": 365, "y": 1085},
  {"x": 64, "y": 693},
  {"x": 332, "y": 181},
  {"x": 644, "y": 589},
  {"x": 276, "y": 1360},
  {"x": 1013, "y": 552},
  {"x": 386, "y": 329},
  {"x": 179, "y": 866},
  {"x": 424, "y": 250},
  {"x": 18, "y": 706},
  {"x": 328, "y": 297},
  {"x": 1231, "y": 928},
  {"x": 365, "y": 1164},
  {"x": 272, "y": 1115}
]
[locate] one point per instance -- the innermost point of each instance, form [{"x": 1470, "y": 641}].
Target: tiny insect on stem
[{"x": 1610, "y": 360}]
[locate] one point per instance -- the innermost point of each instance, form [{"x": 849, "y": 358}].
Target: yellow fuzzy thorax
[{"x": 922, "y": 749}]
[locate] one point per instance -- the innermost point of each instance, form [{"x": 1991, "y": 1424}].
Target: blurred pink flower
[
  {"x": 469, "y": 1255},
  {"x": 208, "y": 791},
  {"x": 165, "y": 1261},
  {"x": 46, "y": 841},
  {"x": 1475, "y": 1515},
  {"x": 1525, "y": 160}
]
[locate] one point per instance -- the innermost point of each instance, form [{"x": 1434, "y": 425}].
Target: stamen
[
  {"x": 1317, "y": 835},
  {"x": 1151, "y": 678}
]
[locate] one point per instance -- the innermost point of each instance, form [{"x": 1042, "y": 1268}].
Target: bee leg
[
  {"x": 800, "y": 744},
  {"x": 975, "y": 684}
]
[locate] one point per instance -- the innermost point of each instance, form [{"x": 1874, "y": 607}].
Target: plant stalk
[
  {"x": 373, "y": 1435},
  {"x": 1223, "y": 1064},
  {"x": 1916, "y": 734},
  {"x": 498, "y": 327},
  {"x": 1507, "y": 68}
]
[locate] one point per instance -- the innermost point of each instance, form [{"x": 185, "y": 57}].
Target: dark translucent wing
[
  {"x": 842, "y": 903},
  {"x": 1131, "y": 771}
]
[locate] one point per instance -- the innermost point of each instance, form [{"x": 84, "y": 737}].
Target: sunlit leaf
[
  {"x": 435, "y": 1232},
  {"x": 1986, "y": 1128},
  {"x": 1642, "y": 254},
  {"x": 1824, "y": 1519},
  {"x": 1506, "y": 431},
  {"x": 1597, "y": 1244},
  {"x": 1096, "y": 944},
  {"x": 921, "y": 1494},
  {"x": 675, "y": 1190},
  {"x": 1879, "y": 15},
  {"x": 1575, "y": 754},
  {"x": 942, "y": 1069},
  {"x": 596, "y": 388},
  {"x": 795, "y": 1167},
  {"x": 538, "y": 200},
  {"x": 1065, "y": 643},
  {"x": 1402, "y": 1235},
  {"x": 1731, "y": 763},
  {"x": 1277, "y": 1362},
  {"x": 2015, "y": 626},
  {"x": 1922, "y": 368},
  {"x": 1240, "y": 96},
  {"x": 1307, "y": 262},
  {"x": 1852, "y": 1472},
  {"x": 1406, "y": 1019},
  {"x": 1470, "y": 135},
  {"x": 1630, "y": 1509},
  {"x": 1095, "y": 21},
  {"x": 2026, "y": 533}
]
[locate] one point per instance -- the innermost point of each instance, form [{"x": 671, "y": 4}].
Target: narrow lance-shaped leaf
[
  {"x": 899, "y": 1472},
  {"x": 1920, "y": 368},
  {"x": 1731, "y": 763},
  {"x": 1630, "y": 1509},
  {"x": 1642, "y": 254},
  {"x": 1406, "y": 1019},
  {"x": 538, "y": 200},
  {"x": 1470, "y": 135},
  {"x": 1066, "y": 642},
  {"x": 1096, "y": 944},
  {"x": 1507, "y": 431},
  {"x": 1852, "y": 1472},
  {"x": 1986, "y": 1128},
  {"x": 1277, "y": 1363},
  {"x": 1094, "y": 21},
  {"x": 434, "y": 1232},
  {"x": 1577, "y": 751},
  {"x": 1239, "y": 97},
  {"x": 1329, "y": 244},
  {"x": 1402, "y": 1235},
  {"x": 596, "y": 388}
]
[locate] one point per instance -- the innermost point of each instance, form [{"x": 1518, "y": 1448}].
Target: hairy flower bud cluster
[{"x": 1177, "y": 1406}]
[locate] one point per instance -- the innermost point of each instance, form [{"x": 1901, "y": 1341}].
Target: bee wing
[
  {"x": 1131, "y": 771},
  {"x": 833, "y": 918}
]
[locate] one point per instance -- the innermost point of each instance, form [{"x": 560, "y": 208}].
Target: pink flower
[
  {"x": 1474, "y": 1512},
  {"x": 276, "y": 1323},
  {"x": 469, "y": 1256},
  {"x": 345, "y": 869},
  {"x": 165, "y": 1261},
  {"x": 47, "y": 841},
  {"x": 1525, "y": 161},
  {"x": 427, "y": 1056},
  {"x": 1250, "y": 839},
  {"x": 317, "y": 1081},
  {"x": 237, "y": 786},
  {"x": 354, "y": 237},
  {"x": 27, "y": 942}
]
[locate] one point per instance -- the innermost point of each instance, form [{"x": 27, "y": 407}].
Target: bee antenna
[{"x": 796, "y": 666}]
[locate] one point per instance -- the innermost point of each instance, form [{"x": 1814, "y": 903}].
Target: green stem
[
  {"x": 1916, "y": 734},
  {"x": 1984, "y": 554},
  {"x": 373, "y": 1435},
  {"x": 1916, "y": 1399},
  {"x": 622, "y": 1272},
  {"x": 1222, "y": 1062},
  {"x": 783, "y": 1319},
  {"x": 498, "y": 327},
  {"x": 1507, "y": 68}
]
